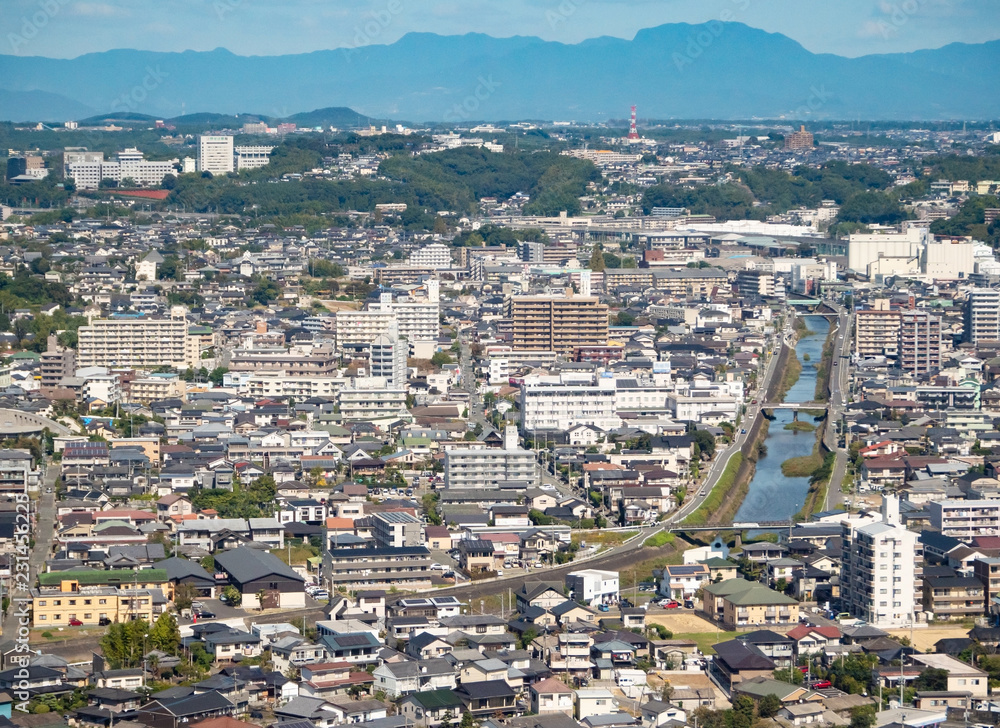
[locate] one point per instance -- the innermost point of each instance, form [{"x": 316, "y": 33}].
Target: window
[
  {"x": 57, "y": 602},
  {"x": 42, "y": 617},
  {"x": 87, "y": 602},
  {"x": 41, "y": 603}
]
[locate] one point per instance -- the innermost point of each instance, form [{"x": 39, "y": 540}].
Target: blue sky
[{"x": 68, "y": 28}]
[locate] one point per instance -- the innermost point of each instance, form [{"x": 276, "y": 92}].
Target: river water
[{"x": 772, "y": 496}]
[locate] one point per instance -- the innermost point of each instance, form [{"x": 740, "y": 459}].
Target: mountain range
[{"x": 681, "y": 71}]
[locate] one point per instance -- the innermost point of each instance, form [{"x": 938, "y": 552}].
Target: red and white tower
[{"x": 633, "y": 133}]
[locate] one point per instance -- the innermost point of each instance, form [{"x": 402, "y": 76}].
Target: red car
[
  {"x": 75, "y": 623},
  {"x": 803, "y": 669},
  {"x": 819, "y": 684},
  {"x": 671, "y": 605}
]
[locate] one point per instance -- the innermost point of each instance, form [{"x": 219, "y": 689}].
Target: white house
[{"x": 593, "y": 586}]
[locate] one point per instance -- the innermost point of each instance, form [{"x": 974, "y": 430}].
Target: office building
[
  {"x": 490, "y": 468},
  {"x": 79, "y": 155},
  {"x": 215, "y": 154},
  {"x": 397, "y": 529},
  {"x": 881, "y": 569},
  {"x": 138, "y": 342},
  {"x": 982, "y": 315},
  {"x": 800, "y": 139},
  {"x": 560, "y": 324},
  {"x": 877, "y": 331},
  {"x": 919, "y": 342},
  {"x": 252, "y": 157}
]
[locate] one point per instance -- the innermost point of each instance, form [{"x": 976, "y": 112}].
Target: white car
[{"x": 437, "y": 567}]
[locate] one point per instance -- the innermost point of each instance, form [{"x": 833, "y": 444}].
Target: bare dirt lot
[
  {"x": 924, "y": 639},
  {"x": 681, "y": 622}
]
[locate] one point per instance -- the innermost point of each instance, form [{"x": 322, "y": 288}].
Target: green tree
[
  {"x": 596, "y": 258},
  {"x": 440, "y": 358},
  {"x": 863, "y": 716},
  {"x": 232, "y": 596},
  {"x": 122, "y": 643},
  {"x": 931, "y": 679},
  {"x": 769, "y": 705},
  {"x": 164, "y": 635}
]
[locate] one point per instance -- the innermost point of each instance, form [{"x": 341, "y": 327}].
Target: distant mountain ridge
[{"x": 714, "y": 70}]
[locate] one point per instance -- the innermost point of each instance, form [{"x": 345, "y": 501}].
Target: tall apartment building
[
  {"x": 413, "y": 319},
  {"x": 373, "y": 399},
  {"x": 320, "y": 361},
  {"x": 881, "y": 576},
  {"x": 215, "y": 153},
  {"x": 919, "y": 342},
  {"x": 387, "y": 357},
  {"x": 489, "y": 468},
  {"x": 559, "y": 324},
  {"x": 876, "y": 331},
  {"x": 800, "y": 139},
  {"x": 354, "y": 331},
  {"x": 760, "y": 282},
  {"x": 982, "y": 315},
  {"x": 55, "y": 363},
  {"x": 138, "y": 342}
]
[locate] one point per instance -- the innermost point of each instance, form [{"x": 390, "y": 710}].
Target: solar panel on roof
[{"x": 352, "y": 640}]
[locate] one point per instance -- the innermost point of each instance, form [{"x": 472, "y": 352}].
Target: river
[{"x": 771, "y": 496}]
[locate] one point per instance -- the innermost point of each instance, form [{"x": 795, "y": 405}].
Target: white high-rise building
[
  {"x": 881, "y": 569},
  {"x": 137, "y": 341},
  {"x": 87, "y": 172},
  {"x": 215, "y": 153},
  {"x": 562, "y": 402},
  {"x": 252, "y": 157},
  {"x": 434, "y": 256},
  {"x": 388, "y": 359},
  {"x": 982, "y": 315}
]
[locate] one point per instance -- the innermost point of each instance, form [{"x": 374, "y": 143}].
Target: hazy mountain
[
  {"x": 714, "y": 70},
  {"x": 39, "y": 106}
]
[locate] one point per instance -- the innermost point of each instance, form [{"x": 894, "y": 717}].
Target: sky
[{"x": 69, "y": 28}]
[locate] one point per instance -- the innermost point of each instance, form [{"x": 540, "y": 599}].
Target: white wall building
[
  {"x": 129, "y": 165},
  {"x": 863, "y": 249},
  {"x": 881, "y": 569},
  {"x": 561, "y": 402},
  {"x": 593, "y": 586},
  {"x": 215, "y": 153},
  {"x": 486, "y": 468},
  {"x": 435, "y": 255},
  {"x": 252, "y": 157},
  {"x": 965, "y": 519}
]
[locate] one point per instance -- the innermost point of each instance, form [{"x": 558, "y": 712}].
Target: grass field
[
  {"x": 604, "y": 538},
  {"x": 689, "y": 626}
]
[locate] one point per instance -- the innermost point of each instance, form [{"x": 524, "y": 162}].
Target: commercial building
[
  {"x": 559, "y": 324},
  {"x": 398, "y": 529},
  {"x": 881, "y": 569},
  {"x": 490, "y": 468},
  {"x": 864, "y": 249},
  {"x": 919, "y": 342},
  {"x": 800, "y": 139},
  {"x": 138, "y": 342},
  {"x": 982, "y": 315},
  {"x": 215, "y": 154}
]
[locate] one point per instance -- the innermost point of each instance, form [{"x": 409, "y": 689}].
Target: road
[
  {"x": 839, "y": 394},
  {"x": 43, "y": 532}
]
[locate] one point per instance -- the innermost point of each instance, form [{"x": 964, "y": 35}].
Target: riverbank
[{"x": 825, "y": 366}]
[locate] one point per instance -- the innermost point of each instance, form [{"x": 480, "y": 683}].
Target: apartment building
[
  {"x": 877, "y": 332},
  {"x": 355, "y": 330},
  {"x": 982, "y": 315},
  {"x": 737, "y": 603},
  {"x": 690, "y": 282},
  {"x": 953, "y": 597},
  {"x": 435, "y": 255},
  {"x": 373, "y": 399},
  {"x": 17, "y": 472},
  {"x": 489, "y": 468},
  {"x": 56, "y": 363},
  {"x": 283, "y": 386},
  {"x": 404, "y": 568},
  {"x": 156, "y": 387},
  {"x": 882, "y": 569},
  {"x": 987, "y": 571},
  {"x": 387, "y": 357},
  {"x": 559, "y": 324},
  {"x": 562, "y": 402},
  {"x": 98, "y": 597},
  {"x": 800, "y": 139},
  {"x": 398, "y": 529},
  {"x": 317, "y": 362},
  {"x": 919, "y": 342},
  {"x": 216, "y": 154},
  {"x": 138, "y": 342},
  {"x": 252, "y": 157},
  {"x": 965, "y": 519}
]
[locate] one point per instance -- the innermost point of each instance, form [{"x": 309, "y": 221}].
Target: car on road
[
  {"x": 205, "y": 614},
  {"x": 437, "y": 567},
  {"x": 689, "y": 604},
  {"x": 603, "y": 608},
  {"x": 672, "y": 604},
  {"x": 647, "y": 587},
  {"x": 743, "y": 431},
  {"x": 820, "y": 684},
  {"x": 75, "y": 623}
]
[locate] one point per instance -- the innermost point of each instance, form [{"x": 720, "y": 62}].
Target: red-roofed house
[
  {"x": 809, "y": 639},
  {"x": 881, "y": 449}
]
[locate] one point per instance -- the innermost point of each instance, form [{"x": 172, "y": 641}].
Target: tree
[
  {"x": 862, "y": 716},
  {"x": 232, "y": 596},
  {"x": 184, "y": 595},
  {"x": 527, "y": 637},
  {"x": 440, "y": 358},
  {"x": 769, "y": 705},
  {"x": 705, "y": 441},
  {"x": 597, "y": 258},
  {"x": 122, "y": 643},
  {"x": 931, "y": 679},
  {"x": 164, "y": 635}
]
